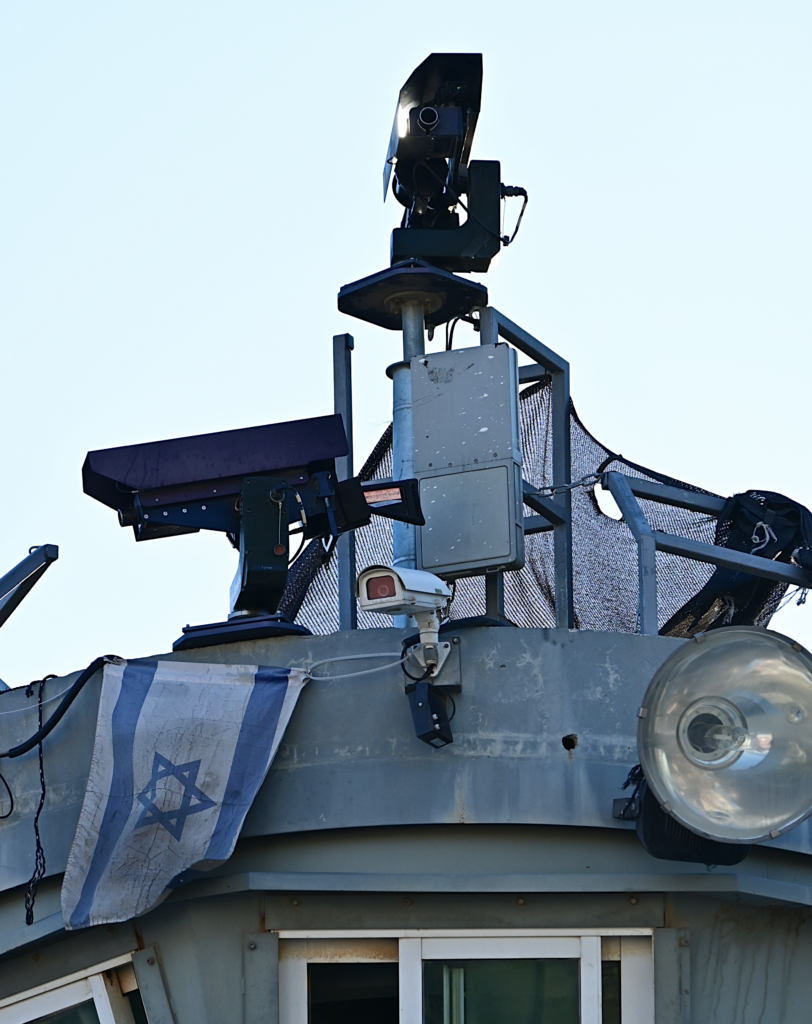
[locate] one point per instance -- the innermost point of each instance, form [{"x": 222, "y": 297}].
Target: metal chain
[
  {"x": 584, "y": 481},
  {"x": 39, "y": 853}
]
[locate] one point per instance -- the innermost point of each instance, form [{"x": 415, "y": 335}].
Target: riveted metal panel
[
  {"x": 151, "y": 986},
  {"x": 261, "y": 977},
  {"x": 467, "y": 456}
]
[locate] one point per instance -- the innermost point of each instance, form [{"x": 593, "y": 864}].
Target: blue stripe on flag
[
  {"x": 250, "y": 757},
  {"x": 135, "y": 684}
]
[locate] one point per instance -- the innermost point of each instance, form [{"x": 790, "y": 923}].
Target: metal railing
[
  {"x": 553, "y": 511},
  {"x": 626, "y": 490}
]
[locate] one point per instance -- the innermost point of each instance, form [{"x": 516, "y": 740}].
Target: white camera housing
[
  {"x": 409, "y": 592},
  {"x": 400, "y": 591}
]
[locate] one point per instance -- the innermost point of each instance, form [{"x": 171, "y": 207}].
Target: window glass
[
  {"x": 610, "y": 981},
  {"x": 353, "y": 993},
  {"x": 84, "y": 1013},
  {"x": 139, "y": 1013},
  {"x": 501, "y": 992}
]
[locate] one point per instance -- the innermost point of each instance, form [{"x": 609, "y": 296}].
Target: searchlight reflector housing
[{"x": 725, "y": 735}]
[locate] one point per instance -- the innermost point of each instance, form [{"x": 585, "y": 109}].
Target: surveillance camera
[
  {"x": 407, "y": 592},
  {"x": 421, "y": 594},
  {"x": 400, "y": 591}
]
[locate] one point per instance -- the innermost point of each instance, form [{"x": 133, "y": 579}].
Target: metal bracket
[
  {"x": 493, "y": 325},
  {"x": 261, "y": 978},
  {"x": 151, "y": 986},
  {"x": 646, "y": 550},
  {"x": 417, "y": 658},
  {"x": 20, "y": 581},
  {"x": 551, "y": 510},
  {"x": 626, "y": 490}
]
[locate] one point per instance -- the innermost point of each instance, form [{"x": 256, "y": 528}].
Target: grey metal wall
[
  {"x": 350, "y": 758},
  {"x": 743, "y": 961},
  {"x": 357, "y": 816}
]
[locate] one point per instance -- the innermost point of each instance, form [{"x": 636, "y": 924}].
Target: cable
[
  {"x": 416, "y": 679},
  {"x": 10, "y": 796},
  {"x": 70, "y": 696},
  {"x": 457, "y": 199},
  {"x": 449, "y": 341},
  {"x": 299, "y": 549},
  {"x": 509, "y": 191},
  {"x": 356, "y": 657},
  {"x": 50, "y": 700},
  {"x": 39, "y": 854}
]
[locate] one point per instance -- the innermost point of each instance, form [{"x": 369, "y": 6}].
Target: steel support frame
[
  {"x": 19, "y": 582},
  {"x": 646, "y": 551},
  {"x": 626, "y": 490},
  {"x": 493, "y": 325},
  {"x": 343, "y": 345},
  {"x": 147, "y": 965}
]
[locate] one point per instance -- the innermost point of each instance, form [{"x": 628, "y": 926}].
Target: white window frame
[
  {"x": 81, "y": 987},
  {"x": 416, "y": 945}
]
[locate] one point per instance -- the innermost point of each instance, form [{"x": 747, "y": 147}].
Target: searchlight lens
[{"x": 725, "y": 735}]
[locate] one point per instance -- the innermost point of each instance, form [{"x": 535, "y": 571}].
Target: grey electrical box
[{"x": 468, "y": 459}]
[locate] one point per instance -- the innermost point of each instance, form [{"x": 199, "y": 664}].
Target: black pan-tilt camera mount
[
  {"x": 257, "y": 485},
  {"x": 431, "y": 174},
  {"x": 428, "y": 162}
]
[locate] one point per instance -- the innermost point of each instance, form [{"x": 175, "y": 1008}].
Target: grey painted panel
[
  {"x": 61, "y": 954},
  {"x": 151, "y": 986},
  {"x": 747, "y": 961},
  {"x": 261, "y": 973},
  {"x": 469, "y": 517},
  {"x": 493, "y": 859},
  {"x": 749, "y": 964},
  {"x": 350, "y": 757},
  {"x": 465, "y": 407},
  {"x": 66, "y": 756},
  {"x": 672, "y": 976},
  {"x": 359, "y": 763},
  {"x": 201, "y": 945}
]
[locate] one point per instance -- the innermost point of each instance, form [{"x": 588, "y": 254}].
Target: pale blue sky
[{"x": 185, "y": 186}]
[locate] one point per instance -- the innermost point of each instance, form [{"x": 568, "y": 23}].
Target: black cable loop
[
  {"x": 457, "y": 199},
  {"x": 67, "y": 700},
  {"x": 416, "y": 679},
  {"x": 507, "y": 241},
  {"x": 10, "y": 811},
  {"x": 39, "y": 853}
]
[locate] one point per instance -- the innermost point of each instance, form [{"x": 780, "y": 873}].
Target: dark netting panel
[{"x": 605, "y": 587}]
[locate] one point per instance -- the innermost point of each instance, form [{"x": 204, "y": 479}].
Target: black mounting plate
[
  {"x": 243, "y": 627},
  {"x": 379, "y": 299}
]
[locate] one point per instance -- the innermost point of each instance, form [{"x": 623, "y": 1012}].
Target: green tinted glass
[
  {"x": 84, "y": 1013},
  {"x": 500, "y": 992},
  {"x": 610, "y": 979}
]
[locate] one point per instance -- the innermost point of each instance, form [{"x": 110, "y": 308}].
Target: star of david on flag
[
  {"x": 181, "y": 750},
  {"x": 192, "y": 801}
]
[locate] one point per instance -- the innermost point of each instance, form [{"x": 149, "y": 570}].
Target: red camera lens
[{"x": 381, "y": 586}]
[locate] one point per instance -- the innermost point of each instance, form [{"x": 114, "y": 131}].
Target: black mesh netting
[{"x": 604, "y": 554}]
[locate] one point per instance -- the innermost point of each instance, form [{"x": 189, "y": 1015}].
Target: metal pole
[
  {"x": 404, "y": 550},
  {"x": 343, "y": 345},
  {"x": 562, "y": 533},
  {"x": 646, "y": 550},
  {"x": 495, "y": 595}
]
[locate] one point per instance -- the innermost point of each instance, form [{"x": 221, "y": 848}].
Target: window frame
[
  {"x": 416, "y": 945},
  {"x": 71, "y": 990}
]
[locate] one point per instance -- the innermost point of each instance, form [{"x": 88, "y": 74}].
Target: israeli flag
[{"x": 181, "y": 750}]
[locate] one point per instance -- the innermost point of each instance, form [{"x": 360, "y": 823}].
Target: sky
[{"x": 184, "y": 187}]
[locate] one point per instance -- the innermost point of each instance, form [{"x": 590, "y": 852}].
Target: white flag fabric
[{"x": 181, "y": 750}]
